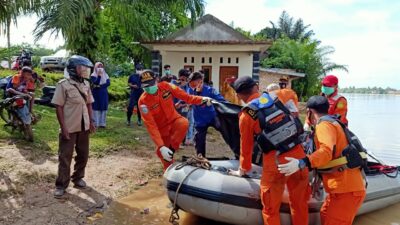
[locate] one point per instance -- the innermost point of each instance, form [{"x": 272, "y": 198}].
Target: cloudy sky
[{"x": 365, "y": 33}]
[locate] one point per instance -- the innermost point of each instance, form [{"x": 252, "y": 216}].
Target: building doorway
[
  {"x": 227, "y": 72},
  {"x": 207, "y": 71}
]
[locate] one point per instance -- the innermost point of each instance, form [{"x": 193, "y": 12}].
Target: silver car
[{"x": 54, "y": 62}]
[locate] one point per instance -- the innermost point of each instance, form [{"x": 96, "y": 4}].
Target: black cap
[
  {"x": 318, "y": 103},
  {"x": 147, "y": 78},
  {"x": 243, "y": 83}
]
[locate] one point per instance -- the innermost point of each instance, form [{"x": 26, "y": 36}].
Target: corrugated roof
[{"x": 280, "y": 71}]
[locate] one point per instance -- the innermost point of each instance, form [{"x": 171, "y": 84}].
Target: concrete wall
[
  {"x": 268, "y": 78},
  {"x": 176, "y": 60}
]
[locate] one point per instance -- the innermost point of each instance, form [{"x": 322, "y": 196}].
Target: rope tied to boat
[
  {"x": 199, "y": 162},
  {"x": 195, "y": 161}
]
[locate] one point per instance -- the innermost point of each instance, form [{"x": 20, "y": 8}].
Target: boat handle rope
[{"x": 199, "y": 162}]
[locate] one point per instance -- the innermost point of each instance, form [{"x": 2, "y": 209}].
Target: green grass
[{"x": 115, "y": 137}]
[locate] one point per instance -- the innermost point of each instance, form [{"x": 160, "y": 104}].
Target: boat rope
[
  {"x": 195, "y": 161},
  {"x": 199, "y": 162},
  {"x": 383, "y": 169}
]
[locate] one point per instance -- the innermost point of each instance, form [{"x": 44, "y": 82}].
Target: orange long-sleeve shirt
[
  {"x": 330, "y": 140},
  {"x": 158, "y": 110},
  {"x": 287, "y": 94}
]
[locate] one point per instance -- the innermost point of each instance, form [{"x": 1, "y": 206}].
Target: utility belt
[{"x": 259, "y": 151}]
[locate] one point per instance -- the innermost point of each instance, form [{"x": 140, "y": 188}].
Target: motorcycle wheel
[
  {"x": 28, "y": 133},
  {"x": 5, "y": 115}
]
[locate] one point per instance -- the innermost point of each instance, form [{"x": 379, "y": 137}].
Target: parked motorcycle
[{"x": 15, "y": 113}]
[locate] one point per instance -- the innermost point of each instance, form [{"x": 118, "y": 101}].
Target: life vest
[
  {"x": 333, "y": 101},
  {"x": 280, "y": 130},
  {"x": 354, "y": 155}
]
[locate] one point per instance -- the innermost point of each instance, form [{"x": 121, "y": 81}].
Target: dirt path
[{"x": 27, "y": 183}]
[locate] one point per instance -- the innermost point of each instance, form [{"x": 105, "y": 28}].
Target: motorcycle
[{"x": 15, "y": 113}]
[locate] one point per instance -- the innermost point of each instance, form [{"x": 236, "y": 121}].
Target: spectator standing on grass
[
  {"x": 136, "y": 90},
  {"x": 100, "y": 82},
  {"x": 73, "y": 101}
]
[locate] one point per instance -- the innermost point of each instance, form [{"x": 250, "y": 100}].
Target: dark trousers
[
  {"x": 200, "y": 136},
  {"x": 79, "y": 141},
  {"x": 133, "y": 101}
]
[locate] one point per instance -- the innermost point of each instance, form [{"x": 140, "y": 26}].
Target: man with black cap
[
  {"x": 345, "y": 186},
  {"x": 263, "y": 118},
  {"x": 166, "y": 127}
]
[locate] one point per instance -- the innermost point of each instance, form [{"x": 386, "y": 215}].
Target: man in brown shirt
[{"x": 73, "y": 100}]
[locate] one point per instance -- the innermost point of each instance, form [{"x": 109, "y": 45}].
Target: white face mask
[{"x": 85, "y": 72}]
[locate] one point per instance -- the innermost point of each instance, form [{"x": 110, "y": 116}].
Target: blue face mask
[
  {"x": 151, "y": 90},
  {"x": 327, "y": 90},
  {"x": 167, "y": 72}
]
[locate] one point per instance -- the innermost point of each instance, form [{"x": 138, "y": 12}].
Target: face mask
[
  {"x": 151, "y": 90},
  {"x": 167, "y": 72},
  {"x": 327, "y": 90},
  {"x": 85, "y": 72}
]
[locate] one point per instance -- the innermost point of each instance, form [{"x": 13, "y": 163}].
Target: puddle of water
[{"x": 130, "y": 210}]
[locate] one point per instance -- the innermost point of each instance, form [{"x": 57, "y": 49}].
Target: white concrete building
[{"x": 209, "y": 45}]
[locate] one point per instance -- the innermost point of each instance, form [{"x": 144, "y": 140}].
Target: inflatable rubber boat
[{"x": 217, "y": 196}]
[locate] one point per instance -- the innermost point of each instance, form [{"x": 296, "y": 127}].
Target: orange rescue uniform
[
  {"x": 338, "y": 105},
  {"x": 272, "y": 181},
  {"x": 287, "y": 94},
  {"x": 164, "y": 124},
  {"x": 346, "y": 189}
]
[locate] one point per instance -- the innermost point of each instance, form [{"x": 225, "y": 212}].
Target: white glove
[
  {"x": 166, "y": 153},
  {"x": 237, "y": 173},
  {"x": 289, "y": 168},
  {"x": 207, "y": 101},
  {"x": 306, "y": 127}
]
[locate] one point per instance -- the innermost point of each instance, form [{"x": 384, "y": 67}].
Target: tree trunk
[{"x": 8, "y": 25}]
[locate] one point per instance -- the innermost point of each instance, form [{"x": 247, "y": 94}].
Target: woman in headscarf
[{"x": 100, "y": 82}]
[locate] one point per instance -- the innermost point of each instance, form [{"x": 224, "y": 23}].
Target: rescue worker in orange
[
  {"x": 286, "y": 94},
  {"x": 345, "y": 187},
  {"x": 274, "y": 89},
  {"x": 272, "y": 182},
  {"x": 166, "y": 127},
  {"x": 337, "y": 103}
]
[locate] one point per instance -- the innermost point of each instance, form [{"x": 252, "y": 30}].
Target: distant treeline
[{"x": 369, "y": 90}]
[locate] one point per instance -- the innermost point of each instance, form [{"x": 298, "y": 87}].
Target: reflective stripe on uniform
[{"x": 339, "y": 162}]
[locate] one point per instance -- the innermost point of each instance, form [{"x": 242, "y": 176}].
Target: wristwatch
[{"x": 302, "y": 164}]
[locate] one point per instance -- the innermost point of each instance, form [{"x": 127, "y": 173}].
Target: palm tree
[
  {"x": 9, "y": 11},
  {"x": 286, "y": 26},
  {"x": 79, "y": 21}
]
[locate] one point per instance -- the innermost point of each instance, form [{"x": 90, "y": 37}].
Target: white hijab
[{"x": 104, "y": 76}]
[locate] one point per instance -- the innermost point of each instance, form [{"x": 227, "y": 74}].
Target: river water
[{"x": 374, "y": 118}]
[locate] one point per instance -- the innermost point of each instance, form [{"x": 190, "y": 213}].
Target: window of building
[
  {"x": 185, "y": 60},
  {"x": 210, "y": 60},
  {"x": 229, "y": 59},
  {"x": 203, "y": 60},
  {"x": 192, "y": 59},
  {"x": 237, "y": 59},
  {"x": 221, "y": 60}
]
